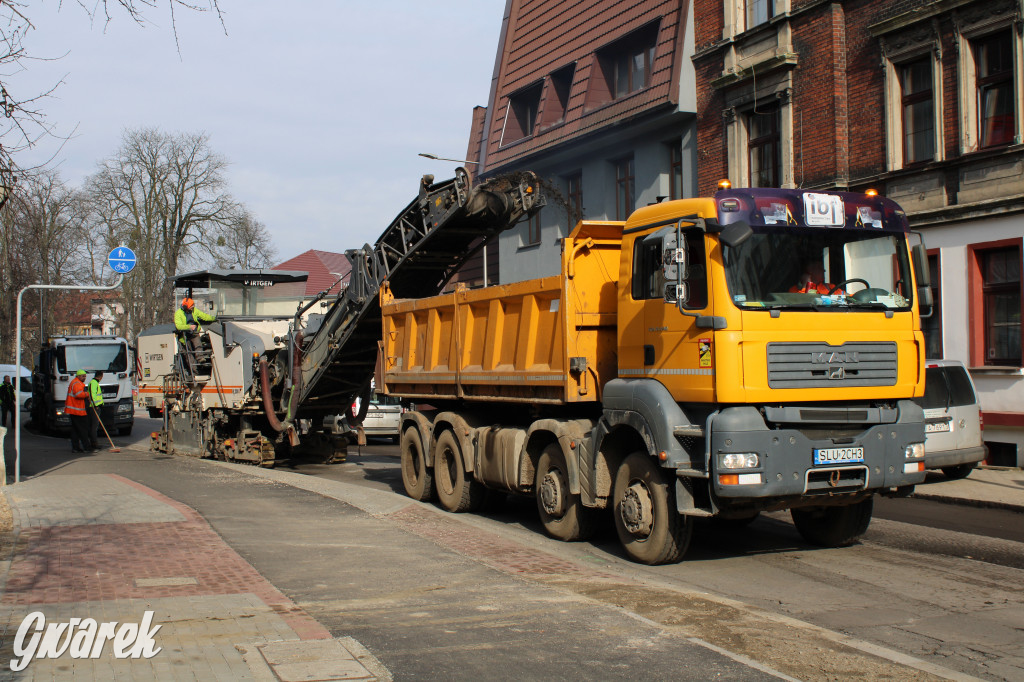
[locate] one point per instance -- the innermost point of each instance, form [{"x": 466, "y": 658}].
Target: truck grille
[{"x": 820, "y": 365}]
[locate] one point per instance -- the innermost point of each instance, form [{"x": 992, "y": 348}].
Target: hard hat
[
  {"x": 80, "y": 373},
  {"x": 188, "y": 302}
]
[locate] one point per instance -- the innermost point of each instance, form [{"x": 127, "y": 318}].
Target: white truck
[{"x": 56, "y": 365}]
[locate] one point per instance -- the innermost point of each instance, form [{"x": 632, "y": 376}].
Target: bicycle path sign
[{"x": 121, "y": 259}]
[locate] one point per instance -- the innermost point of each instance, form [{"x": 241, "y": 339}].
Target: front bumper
[{"x": 786, "y": 465}]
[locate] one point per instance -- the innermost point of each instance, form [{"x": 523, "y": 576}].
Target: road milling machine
[{"x": 275, "y": 361}]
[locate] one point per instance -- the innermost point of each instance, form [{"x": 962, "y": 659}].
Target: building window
[
  {"x": 533, "y": 230},
  {"x": 993, "y": 59},
  {"x": 675, "y": 170},
  {"x": 918, "y": 111},
  {"x": 625, "y": 199},
  {"x": 627, "y": 64},
  {"x": 932, "y": 326},
  {"x": 995, "y": 281},
  {"x": 521, "y": 115},
  {"x": 574, "y": 198},
  {"x": 764, "y": 146},
  {"x": 556, "y": 104},
  {"x": 759, "y": 11}
]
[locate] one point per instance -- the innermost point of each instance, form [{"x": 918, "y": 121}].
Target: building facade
[
  {"x": 919, "y": 99},
  {"x": 597, "y": 98}
]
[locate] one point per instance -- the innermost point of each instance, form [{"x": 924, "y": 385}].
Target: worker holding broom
[{"x": 95, "y": 406}]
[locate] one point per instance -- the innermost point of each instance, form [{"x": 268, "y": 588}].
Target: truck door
[{"x": 676, "y": 351}]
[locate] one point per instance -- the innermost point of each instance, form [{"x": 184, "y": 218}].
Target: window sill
[{"x": 528, "y": 247}]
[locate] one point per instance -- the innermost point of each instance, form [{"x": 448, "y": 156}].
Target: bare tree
[
  {"x": 22, "y": 118},
  {"x": 164, "y": 196},
  {"x": 43, "y": 239},
  {"x": 243, "y": 242}
]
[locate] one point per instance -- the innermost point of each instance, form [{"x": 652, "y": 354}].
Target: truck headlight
[
  {"x": 124, "y": 407},
  {"x": 738, "y": 460},
  {"x": 914, "y": 451}
]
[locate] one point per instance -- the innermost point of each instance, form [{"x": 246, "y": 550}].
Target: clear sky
[{"x": 319, "y": 106}]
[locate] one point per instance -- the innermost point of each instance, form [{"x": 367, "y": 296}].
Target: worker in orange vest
[{"x": 74, "y": 407}]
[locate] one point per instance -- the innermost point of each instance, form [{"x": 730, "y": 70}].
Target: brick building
[
  {"x": 919, "y": 99},
  {"x": 597, "y": 98}
]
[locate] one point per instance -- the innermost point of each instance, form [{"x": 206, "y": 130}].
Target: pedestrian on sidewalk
[
  {"x": 95, "y": 408},
  {"x": 6, "y": 401},
  {"x": 74, "y": 407}
]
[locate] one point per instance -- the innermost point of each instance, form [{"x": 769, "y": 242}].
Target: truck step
[
  {"x": 691, "y": 473},
  {"x": 688, "y": 432}
]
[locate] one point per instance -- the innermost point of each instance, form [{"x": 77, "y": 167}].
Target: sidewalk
[
  {"x": 995, "y": 487},
  {"x": 104, "y": 547}
]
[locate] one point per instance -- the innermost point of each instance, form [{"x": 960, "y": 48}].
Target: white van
[
  {"x": 26, "y": 384},
  {"x": 952, "y": 419}
]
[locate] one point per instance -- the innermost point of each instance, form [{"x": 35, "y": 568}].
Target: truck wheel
[
  {"x": 562, "y": 513},
  {"x": 650, "y": 528},
  {"x": 456, "y": 489},
  {"x": 124, "y": 431},
  {"x": 833, "y": 526},
  {"x": 416, "y": 475},
  {"x": 955, "y": 473}
]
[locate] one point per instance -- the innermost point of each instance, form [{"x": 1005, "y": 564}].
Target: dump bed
[{"x": 548, "y": 340}]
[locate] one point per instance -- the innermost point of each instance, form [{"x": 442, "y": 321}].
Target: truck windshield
[
  {"x": 106, "y": 357},
  {"x": 234, "y": 299},
  {"x": 819, "y": 269}
]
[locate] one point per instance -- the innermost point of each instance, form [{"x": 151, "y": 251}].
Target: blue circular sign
[{"x": 121, "y": 259}]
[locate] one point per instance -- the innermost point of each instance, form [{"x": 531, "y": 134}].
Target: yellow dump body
[{"x": 550, "y": 340}]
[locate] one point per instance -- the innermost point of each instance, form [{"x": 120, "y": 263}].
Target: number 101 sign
[{"x": 824, "y": 210}]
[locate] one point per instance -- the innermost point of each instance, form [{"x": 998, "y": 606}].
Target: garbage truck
[
  {"x": 679, "y": 366},
  {"x": 56, "y": 364}
]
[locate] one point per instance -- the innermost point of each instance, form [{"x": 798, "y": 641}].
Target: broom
[{"x": 113, "y": 448}]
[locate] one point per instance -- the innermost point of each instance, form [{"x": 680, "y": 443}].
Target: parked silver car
[
  {"x": 953, "y": 419},
  {"x": 383, "y": 418}
]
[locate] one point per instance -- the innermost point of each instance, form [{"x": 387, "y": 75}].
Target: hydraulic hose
[{"x": 268, "y": 403}]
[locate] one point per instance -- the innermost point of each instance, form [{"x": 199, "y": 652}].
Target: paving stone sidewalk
[{"x": 107, "y": 548}]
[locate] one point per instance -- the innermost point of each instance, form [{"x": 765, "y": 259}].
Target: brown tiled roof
[
  {"x": 320, "y": 265},
  {"x": 544, "y": 36}
]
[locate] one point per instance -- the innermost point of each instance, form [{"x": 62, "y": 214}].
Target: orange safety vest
[{"x": 77, "y": 393}]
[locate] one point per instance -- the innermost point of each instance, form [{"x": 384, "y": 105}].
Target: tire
[
  {"x": 737, "y": 522},
  {"x": 650, "y": 528},
  {"x": 417, "y": 477},
  {"x": 124, "y": 431},
  {"x": 456, "y": 489},
  {"x": 561, "y": 512},
  {"x": 833, "y": 526},
  {"x": 955, "y": 473}
]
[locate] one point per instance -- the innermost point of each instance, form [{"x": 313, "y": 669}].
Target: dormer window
[{"x": 521, "y": 117}]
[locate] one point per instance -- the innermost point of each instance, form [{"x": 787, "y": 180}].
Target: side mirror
[
  {"x": 735, "y": 233},
  {"x": 921, "y": 271},
  {"x": 925, "y": 302},
  {"x": 673, "y": 266}
]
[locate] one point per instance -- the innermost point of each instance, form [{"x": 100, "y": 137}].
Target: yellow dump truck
[{"x": 753, "y": 351}]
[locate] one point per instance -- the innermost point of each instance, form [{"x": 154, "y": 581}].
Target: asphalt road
[{"x": 939, "y": 583}]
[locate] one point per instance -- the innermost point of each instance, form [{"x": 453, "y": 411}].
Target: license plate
[
  {"x": 838, "y": 455},
  {"x": 936, "y": 427}
]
